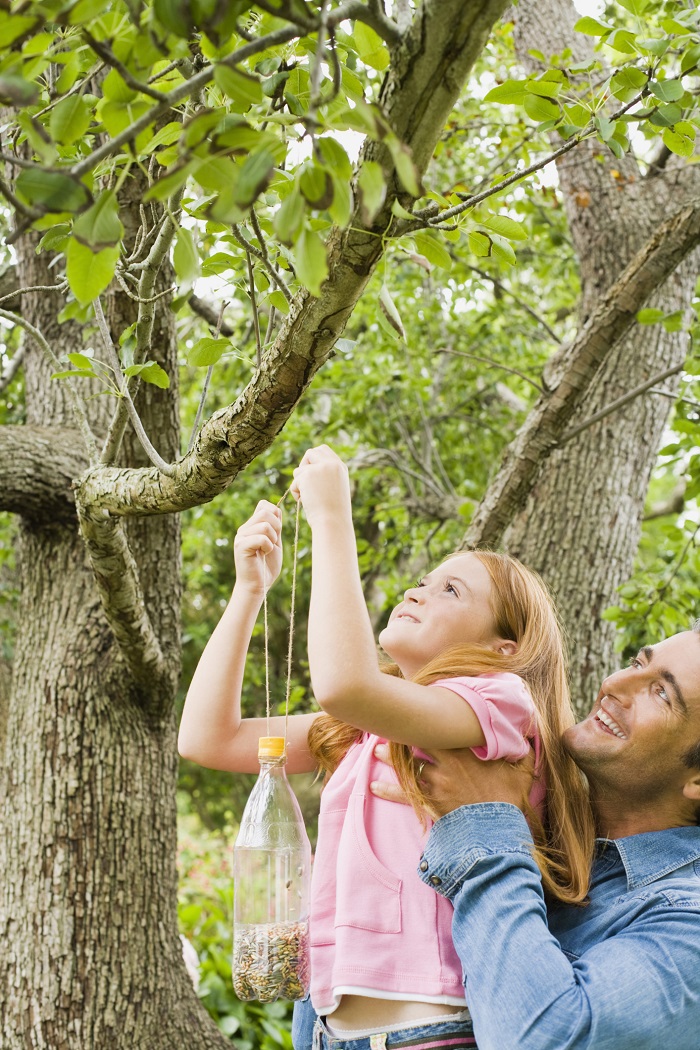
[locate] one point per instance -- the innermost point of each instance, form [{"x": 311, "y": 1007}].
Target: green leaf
[
  {"x": 592, "y": 27},
  {"x": 429, "y": 245},
  {"x": 278, "y": 300},
  {"x": 604, "y": 127},
  {"x": 372, "y": 189},
  {"x": 511, "y": 92},
  {"x": 207, "y": 351},
  {"x": 627, "y": 82},
  {"x": 116, "y": 89},
  {"x": 623, "y": 41},
  {"x": 241, "y": 88},
  {"x": 655, "y": 46},
  {"x": 545, "y": 88},
  {"x": 335, "y": 156},
  {"x": 151, "y": 372},
  {"x": 340, "y": 208},
  {"x": 650, "y": 316},
  {"x": 637, "y": 7},
  {"x": 388, "y": 308},
  {"x": 80, "y": 360},
  {"x": 667, "y": 90},
  {"x": 310, "y": 260},
  {"x": 540, "y": 109},
  {"x": 370, "y": 47},
  {"x": 70, "y": 119},
  {"x": 690, "y": 59},
  {"x": 51, "y": 191},
  {"x": 14, "y": 26},
  {"x": 89, "y": 273},
  {"x": 185, "y": 260},
  {"x": 71, "y": 373},
  {"x": 100, "y": 227},
  {"x": 55, "y": 239},
  {"x": 289, "y": 217},
  {"x": 479, "y": 244},
  {"x": 673, "y": 322},
  {"x": 501, "y": 249},
  {"x": 665, "y": 116},
  {"x": 405, "y": 168},
  {"x": 504, "y": 225},
  {"x": 253, "y": 177},
  {"x": 316, "y": 185},
  {"x": 174, "y": 15}
]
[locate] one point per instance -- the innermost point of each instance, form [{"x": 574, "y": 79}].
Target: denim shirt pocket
[{"x": 368, "y": 893}]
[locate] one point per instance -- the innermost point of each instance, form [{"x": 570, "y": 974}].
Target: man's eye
[
  {"x": 664, "y": 695},
  {"x": 634, "y": 662}
]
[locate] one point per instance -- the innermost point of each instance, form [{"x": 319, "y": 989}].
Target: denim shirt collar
[{"x": 653, "y": 854}]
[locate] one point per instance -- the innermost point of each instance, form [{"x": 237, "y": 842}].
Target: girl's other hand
[
  {"x": 322, "y": 484},
  {"x": 257, "y": 549}
]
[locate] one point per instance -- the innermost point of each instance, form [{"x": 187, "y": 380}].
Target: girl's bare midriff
[{"x": 360, "y": 1011}]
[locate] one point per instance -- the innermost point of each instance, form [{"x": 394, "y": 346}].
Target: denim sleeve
[{"x": 637, "y": 988}]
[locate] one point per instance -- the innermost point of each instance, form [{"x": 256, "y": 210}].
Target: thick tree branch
[
  {"x": 613, "y": 317},
  {"x": 37, "y": 468},
  {"x": 117, "y": 578},
  {"x": 427, "y": 75}
]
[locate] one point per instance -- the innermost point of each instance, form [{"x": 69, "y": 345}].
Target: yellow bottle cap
[{"x": 270, "y": 747}]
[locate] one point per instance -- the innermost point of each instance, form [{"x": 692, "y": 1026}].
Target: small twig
[
  {"x": 78, "y": 403},
  {"x": 168, "y": 69},
  {"x": 205, "y": 388},
  {"x": 256, "y": 319},
  {"x": 108, "y": 56},
  {"x": 22, "y": 162},
  {"x": 264, "y": 259},
  {"x": 494, "y": 364},
  {"x": 528, "y": 309},
  {"x": 154, "y": 456},
  {"x": 619, "y": 402},
  {"x": 371, "y": 15},
  {"x": 60, "y": 287},
  {"x": 137, "y": 298},
  {"x": 208, "y": 313}
]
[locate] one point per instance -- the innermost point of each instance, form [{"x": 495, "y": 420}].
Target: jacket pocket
[{"x": 368, "y": 893}]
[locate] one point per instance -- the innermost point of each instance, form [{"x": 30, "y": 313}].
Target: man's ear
[
  {"x": 691, "y": 788},
  {"x": 506, "y": 647}
]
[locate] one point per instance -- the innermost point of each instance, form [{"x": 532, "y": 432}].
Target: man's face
[{"x": 643, "y": 722}]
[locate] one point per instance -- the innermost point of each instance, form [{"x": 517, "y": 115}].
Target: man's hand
[{"x": 458, "y": 778}]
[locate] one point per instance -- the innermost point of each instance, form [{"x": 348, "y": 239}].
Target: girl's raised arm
[
  {"x": 343, "y": 660},
  {"x": 212, "y": 731}
]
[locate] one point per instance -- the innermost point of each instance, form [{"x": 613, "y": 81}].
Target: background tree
[{"x": 149, "y": 144}]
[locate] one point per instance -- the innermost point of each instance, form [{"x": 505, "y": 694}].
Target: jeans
[{"x": 310, "y": 1033}]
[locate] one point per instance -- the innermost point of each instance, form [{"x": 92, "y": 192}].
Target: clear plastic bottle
[{"x": 271, "y": 870}]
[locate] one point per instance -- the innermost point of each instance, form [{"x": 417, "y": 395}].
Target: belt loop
[
  {"x": 377, "y": 1041},
  {"x": 316, "y": 1041}
]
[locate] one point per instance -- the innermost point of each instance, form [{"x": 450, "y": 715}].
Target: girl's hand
[
  {"x": 321, "y": 483},
  {"x": 257, "y": 549}
]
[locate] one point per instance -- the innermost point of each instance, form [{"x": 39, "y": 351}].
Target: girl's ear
[{"x": 506, "y": 648}]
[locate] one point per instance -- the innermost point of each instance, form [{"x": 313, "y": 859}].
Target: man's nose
[{"x": 617, "y": 684}]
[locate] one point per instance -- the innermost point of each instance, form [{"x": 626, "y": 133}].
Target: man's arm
[{"x": 637, "y": 987}]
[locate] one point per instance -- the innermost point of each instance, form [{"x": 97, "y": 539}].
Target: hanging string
[{"x": 291, "y": 625}]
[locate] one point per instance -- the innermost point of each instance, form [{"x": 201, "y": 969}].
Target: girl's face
[{"x": 450, "y": 606}]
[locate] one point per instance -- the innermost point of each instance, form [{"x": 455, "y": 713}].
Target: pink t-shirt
[{"x": 376, "y": 929}]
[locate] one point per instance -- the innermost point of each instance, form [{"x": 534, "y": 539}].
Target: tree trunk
[{"x": 88, "y": 843}]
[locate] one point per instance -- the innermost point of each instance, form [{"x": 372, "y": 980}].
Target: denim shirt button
[
  {"x": 435, "y": 880},
  {"x": 423, "y": 865}
]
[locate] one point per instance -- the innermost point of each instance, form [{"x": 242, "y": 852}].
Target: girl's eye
[
  {"x": 419, "y": 583},
  {"x": 449, "y": 586}
]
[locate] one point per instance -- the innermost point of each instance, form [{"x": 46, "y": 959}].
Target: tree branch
[
  {"x": 110, "y": 59},
  {"x": 37, "y": 468},
  {"x": 117, "y": 579},
  {"x": 576, "y": 368},
  {"x": 418, "y": 95},
  {"x": 262, "y": 256}
]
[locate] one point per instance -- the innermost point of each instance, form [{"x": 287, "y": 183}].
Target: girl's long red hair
[{"x": 523, "y": 612}]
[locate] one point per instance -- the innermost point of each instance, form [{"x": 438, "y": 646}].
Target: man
[{"x": 623, "y": 972}]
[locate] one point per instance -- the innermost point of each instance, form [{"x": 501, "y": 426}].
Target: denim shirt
[{"x": 620, "y": 973}]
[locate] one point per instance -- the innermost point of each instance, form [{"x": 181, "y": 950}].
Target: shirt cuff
[{"x": 459, "y": 840}]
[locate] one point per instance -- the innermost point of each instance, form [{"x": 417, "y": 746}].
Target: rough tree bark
[
  {"x": 578, "y": 518},
  {"x": 92, "y": 957}
]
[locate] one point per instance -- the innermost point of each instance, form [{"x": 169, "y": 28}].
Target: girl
[{"x": 478, "y": 663}]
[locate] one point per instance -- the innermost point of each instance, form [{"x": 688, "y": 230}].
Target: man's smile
[{"x": 608, "y": 723}]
